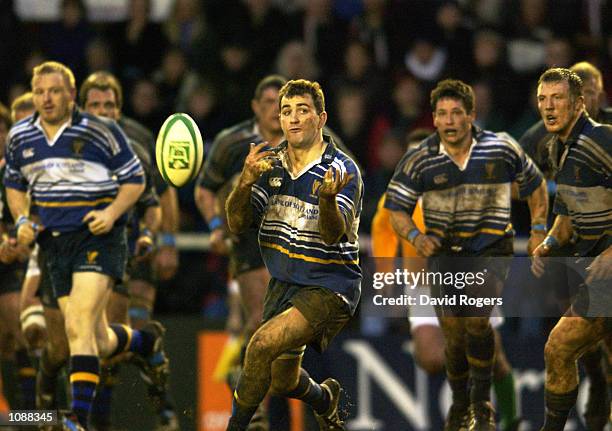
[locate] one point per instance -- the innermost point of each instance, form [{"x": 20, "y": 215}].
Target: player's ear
[{"x": 322, "y": 119}]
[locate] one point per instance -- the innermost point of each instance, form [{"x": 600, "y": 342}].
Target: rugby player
[
  {"x": 80, "y": 175},
  {"x": 582, "y": 169},
  {"x": 306, "y": 197},
  {"x": 464, "y": 175}
]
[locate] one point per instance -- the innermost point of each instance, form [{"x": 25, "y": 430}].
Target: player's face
[
  {"x": 53, "y": 99},
  {"x": 453, "y": 122},
  {"x": 299, "y": 120},
  {"x": 592, "y": 92},
  {"x": 102, "y": 103},
  {"x": 266, "y": 111},
  {"x": 557, "y": 108}
]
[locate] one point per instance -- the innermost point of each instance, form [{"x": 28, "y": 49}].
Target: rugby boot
[
  {"x": 482, "y": 417},
  {"x": 330, "y": 420},
  {"x": 457, "y": 419}
]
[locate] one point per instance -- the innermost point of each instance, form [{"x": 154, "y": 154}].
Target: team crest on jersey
[
  {"x": 441, "y": 179},
  {"x": 316, "y": 185},
  {"x": 77, "y": 147},
  {"x": 490, "y": 170},
  {"x": 91, "y": 257},
  {"x": 275, "y": 181},
  {"x": 27, "y": 153}
]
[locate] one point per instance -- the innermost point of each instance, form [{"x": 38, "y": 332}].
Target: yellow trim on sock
[
  {"x": 479, "y": 362},
  {"x": 242, "y": 403},
  {"x": 84, "y": 376},
  {"x": 128, "y": 330},
  {"x": 26, "y": 372}
]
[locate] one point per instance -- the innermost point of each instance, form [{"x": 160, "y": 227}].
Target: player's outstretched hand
[
  {"x": 256, "y": 163},
  {"x": 535, "y": 239},
  {"x": 601, "y": 267},
  {"x": 537, "y": 263},
  {"x": 99, "y": 222},
  {"x": 333, "y": 183},
  {"x": 426, "y": 245}
]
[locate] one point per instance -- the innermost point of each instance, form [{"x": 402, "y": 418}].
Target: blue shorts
[{"x": 82, "y": 251}]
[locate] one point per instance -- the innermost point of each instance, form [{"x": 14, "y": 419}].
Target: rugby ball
[{"x": 179, "y": 150}]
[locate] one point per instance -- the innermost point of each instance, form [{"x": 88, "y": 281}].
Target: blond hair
[{"x": 55, "y": 67}]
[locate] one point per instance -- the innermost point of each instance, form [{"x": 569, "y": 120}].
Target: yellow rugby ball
[{"x": 179, "y": 150}]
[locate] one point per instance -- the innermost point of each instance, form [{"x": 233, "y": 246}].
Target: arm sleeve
[
  {"x": 13, "y": 177},
  {"x": 405, "y": 186},
  {"x": 124, "y": 163}
]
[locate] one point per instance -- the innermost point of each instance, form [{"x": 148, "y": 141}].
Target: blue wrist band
[
  {"x": 551, "y": 242},
  {"x": 539, "y": 227},
  {"x": 167, "y": 240},
  {"x": 215, "y": 223},
  {"x": 413, "y": 234}
]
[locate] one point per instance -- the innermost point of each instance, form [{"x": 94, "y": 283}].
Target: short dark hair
[
  {"x": 270, "y": 81},
  {"x": 301, "y": 87},
  {"x": 453, "y": 89},
  {"x": 102, "y": 81},
  {"x": 559, "y": 74},
  {"x": 5, "y": 117}
]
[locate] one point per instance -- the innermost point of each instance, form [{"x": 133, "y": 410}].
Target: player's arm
[
  {"x": 404, "y": 226},
  {"x": 131, "y": 178},
  {"x": 19, "y": 205},
  {"x": 206, "y": 202},
  {"x": 538, "y": 209},
  {"x": 557, "y": 236},
  {"x": 238, "y": 205},
  {"x": 331, "y": 222}
]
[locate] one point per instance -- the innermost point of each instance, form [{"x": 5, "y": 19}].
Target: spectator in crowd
[
  {"x": 175, "y": 81},
  {"x": 322, "y": 32},
  {"x": 145, "y": 105},
  {"x": 295, "y": 62},
  {"x": 133, "y": 41},
  {"x": 66, "y": 41}
]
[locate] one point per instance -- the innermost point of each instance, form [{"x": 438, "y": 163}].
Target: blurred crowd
[{"x": 377, "y": 60}]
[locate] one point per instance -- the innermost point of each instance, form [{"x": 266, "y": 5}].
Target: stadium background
[{"x": 377, "y": 61}]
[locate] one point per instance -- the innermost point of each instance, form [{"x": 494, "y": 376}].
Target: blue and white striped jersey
[
  {"x": 466, "y": 206},
  {"x": 80, "y": 170},
  {"x": 287, "y": 208},
  {"x": 584, "y": 184}
]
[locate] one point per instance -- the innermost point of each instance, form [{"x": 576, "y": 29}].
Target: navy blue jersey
[
  {"x": 80, "y": 170},
  {"x": 584, "y": 184},
  {"x": 467, "y": 205},
  {"x": 287, "y": 209}
]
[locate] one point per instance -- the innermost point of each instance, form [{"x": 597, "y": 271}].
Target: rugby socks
[
  {"x": 457, "y": 374},
  {"x": 133, "y": 340},
  {"x": 241, "y": 414},
  {"x": 84, "y": 377},
  {"x": 506, "y": 400},
  {"x": 101, "y": 408},
  {"x": 310, "y": 392},
  {"x": 26, "y": 375},
  {"x": 480, "y": 356},
  {"x": 558, "y": 407}
]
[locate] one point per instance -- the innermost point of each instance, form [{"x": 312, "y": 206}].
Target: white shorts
[{"x": 424, "y": 314}]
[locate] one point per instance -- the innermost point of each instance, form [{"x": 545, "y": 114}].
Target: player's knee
[
  {"x": 34, "y": 336},
  {"x": 259, "y": 349},
  {"x": 78, "y": 327},
  {"x": 477, "y": 325},
  {"x": 556, "y": 349}
]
